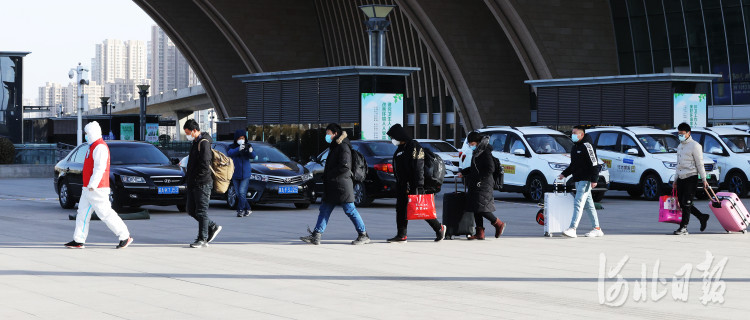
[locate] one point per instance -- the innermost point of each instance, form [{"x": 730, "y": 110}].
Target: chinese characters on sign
[
  {"x": 379, "y": 112},
  {"x": 690, "y": 108}
]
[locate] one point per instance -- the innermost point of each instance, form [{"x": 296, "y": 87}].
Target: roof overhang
[
  {"x": 13, "y": 53},
  {"x": 651, "y": 77},
  {"x": 326, "y": 72}
]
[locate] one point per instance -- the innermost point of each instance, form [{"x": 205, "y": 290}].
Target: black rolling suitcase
[{"x": 457, "y": 221}]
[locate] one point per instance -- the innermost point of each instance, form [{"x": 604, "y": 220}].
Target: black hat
[{"x": 399, "y": 133}]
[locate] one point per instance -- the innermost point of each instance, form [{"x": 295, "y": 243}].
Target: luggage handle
[
  {"x": 711, "y": 194},
  {"x": 559, "y": 183},
  {"x": 455, "y": 182}
]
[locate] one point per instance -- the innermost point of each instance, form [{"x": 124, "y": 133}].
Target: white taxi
[
  {"x": 642, "y": 160},
  {"x": 446, "y": 151},
  {"x": 730, "y": 149},
  {"x": 532, "y": 158}
]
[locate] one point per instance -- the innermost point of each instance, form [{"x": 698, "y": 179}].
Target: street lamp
[
  {"x": 80, "y": 81},
  {"x": 377, "y": 25},
  {"x": 143, "y": 91}
]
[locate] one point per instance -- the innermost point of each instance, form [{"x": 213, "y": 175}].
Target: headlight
[
  {"x": 259, "y": 177},
  {"x": 447, "y": 162},
  {"x": 604, "y": 167},
  {"x": 307, "y": 176},
  {"x": 558, "y": 166},
  {"x": 132, "y": 179},
  {"x": 670, "y": 165}
]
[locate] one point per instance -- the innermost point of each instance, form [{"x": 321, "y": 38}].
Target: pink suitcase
[{"x": 730, "y": 211}]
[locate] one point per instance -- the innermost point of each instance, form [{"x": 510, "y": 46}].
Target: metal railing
[
  {"x": 175, "y": 149},
  {"x": 38, "y": 153}
]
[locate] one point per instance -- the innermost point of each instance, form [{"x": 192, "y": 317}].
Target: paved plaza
[{"x": 258, "y": 269}]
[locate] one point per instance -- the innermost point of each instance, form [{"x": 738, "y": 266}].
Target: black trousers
[
  {"x": 402, "y": 199},
  {"x": 480, "y": 216},
  {"x": 685, "y": 192},
  {"x": 197, "y": 207}
]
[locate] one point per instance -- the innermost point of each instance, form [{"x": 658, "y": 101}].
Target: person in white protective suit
[{"x": 95, "y": 192}]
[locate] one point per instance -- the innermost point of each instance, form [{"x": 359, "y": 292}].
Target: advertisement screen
[
  {"x": 379, "y": 112},
  {"x": 152, "y": 133},
  {"x": 127, "y": 131},
  {"x": 690, "y": 108}
]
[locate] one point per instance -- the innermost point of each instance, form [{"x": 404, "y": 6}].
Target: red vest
[{"x": 88, "y": 165}]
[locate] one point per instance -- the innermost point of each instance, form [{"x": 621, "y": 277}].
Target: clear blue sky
[{"x": 61, "y": 33}]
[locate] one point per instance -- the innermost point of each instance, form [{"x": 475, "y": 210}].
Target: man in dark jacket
[
  {"x": 408, "y": 167},
  {"x": 478, "y": 177},
  {"x": 199, "y": 183},
  {"x": 584, "y": 165},
  {"x": 241, "y": 153},
  {"x": 338, "y": 186}
]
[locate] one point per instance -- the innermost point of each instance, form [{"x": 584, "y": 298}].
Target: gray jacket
[{"x": 690, "y": 159}]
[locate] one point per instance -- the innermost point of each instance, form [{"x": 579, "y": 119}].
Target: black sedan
[
  {"x": 140, "y": 174},
  {"x": 274, "y": 178},
  {"x": 380, "y": 181}
]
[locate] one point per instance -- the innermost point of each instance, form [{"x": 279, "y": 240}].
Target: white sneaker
[
  {"x": 570, "y": 233},
  {"x": 248, "y": 213},
  {"x": 595, "y": 233}
]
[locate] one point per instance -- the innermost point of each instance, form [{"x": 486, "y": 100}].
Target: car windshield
[
  {"x": 549, "y": 143},
  {"x": 659, "y": 143},
  {"x": 136, "y": 153},
  {"x": 737, "y": 143},
  {"x": 266, "y": 153},
  {"x": 381, "y": 149},
  {"x": 439, "y": 146}
]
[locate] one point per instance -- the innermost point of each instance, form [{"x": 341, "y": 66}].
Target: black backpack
[
  {"x": 499, "y": 174},
  {"x": 434, "y": 171},
  {"x": 359, "y": 166}
]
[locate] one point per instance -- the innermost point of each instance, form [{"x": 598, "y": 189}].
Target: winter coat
[
  {"x": 584, "y": 165},
  {"x": 199, "y": 162},
  {"x": 479, "y": 180},
  {"x": 241, "y": 158},
  {"x": 690, "y": 159},
  {"x": 337, "y": 174}
]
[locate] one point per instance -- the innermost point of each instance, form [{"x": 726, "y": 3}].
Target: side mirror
[
  {"x": 174, "y": 160},
  {"x": 716, "y": 151},
  {"x": 632, "y": 151},
  {"x": 519, "y": 152}
]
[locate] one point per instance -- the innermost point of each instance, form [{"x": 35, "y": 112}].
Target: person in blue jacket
[{"x": 241, "y": 153}]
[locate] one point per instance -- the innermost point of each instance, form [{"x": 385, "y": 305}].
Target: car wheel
[
  {"x": 116, "y": 205},
  {"x": 361, "y": 199},
  {"x": 651, "y": 187},
  {"x": 635, "y": 193},
  {"x": 598, "y": 196},
  {"x": 231, "y": 198},
  {"x": 66, "y": 200},
  {"x": 535, "y": 190},
  {"x": 737, "y": 184},
  {"x": 303, "y": 205},
  {"x": 181, "y": 207}
]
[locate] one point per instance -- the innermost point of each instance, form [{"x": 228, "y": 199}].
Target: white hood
[
  {"x": 93, "y": 130},
  {"x": 555, "y": 157},
  {"x": 672, "y": 157}
]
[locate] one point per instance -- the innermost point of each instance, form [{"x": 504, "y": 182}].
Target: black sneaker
[
  {"x": 312, "y": 238},
  {"x": 397, "y": 239},
  {"x": 681, "y": 231},
  {"x": 125, "y": 243},
  {"x": 199, "y": 244},
  {"x": 74, "y": 245},
  {"x": 213, "y": 232},
  {"x": 440, "y": 235},
  {"x": 363, "y": 238},
  {"x": 704, "y": 220}
]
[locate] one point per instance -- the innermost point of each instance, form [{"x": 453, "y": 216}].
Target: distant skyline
[{"x": 60, "y": 34}]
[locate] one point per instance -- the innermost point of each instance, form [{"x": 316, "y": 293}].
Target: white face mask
[
  {"x": 395, "y": 142},
  {"x": 241, "y": 141},
  {"x": 190, "y": 137}
]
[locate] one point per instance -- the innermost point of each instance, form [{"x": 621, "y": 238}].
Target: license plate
[
  {"x": 288, "y": 190},
  {"x": 168, "y": 190}
]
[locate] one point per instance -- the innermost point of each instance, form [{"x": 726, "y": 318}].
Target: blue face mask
[
  {"x": 88, "y": 139},
  {"x": 329, "y": 139},
  {"x": 682, "y": 137},
  {"x": 574, "y": 137},
  {"x": 473, "y": 148}
]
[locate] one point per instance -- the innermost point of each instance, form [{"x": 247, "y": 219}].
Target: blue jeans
[
  {"x": 240, "y": 189},
  {"x": 584, "y": 202},
  {"x": 350, "y": 210}
]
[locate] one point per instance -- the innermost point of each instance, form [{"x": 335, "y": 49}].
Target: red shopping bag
[
  {"x": 421, "y": 207},
  {"x": 669, "y": 209}
]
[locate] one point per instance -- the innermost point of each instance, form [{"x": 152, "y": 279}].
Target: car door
[
  {"x": 607, "y": 150},
  {"x": 632, "y": 166},
  {"x": 516, "y": 166},
  {"x": 75, "y": 170}
]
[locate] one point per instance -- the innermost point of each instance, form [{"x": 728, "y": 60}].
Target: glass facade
[
  {"x": 687, "y": 36},
  {"x": 11, "y": 94}
]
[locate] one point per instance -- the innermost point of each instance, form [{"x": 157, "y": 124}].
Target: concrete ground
[{"x": 258, "y": 269}]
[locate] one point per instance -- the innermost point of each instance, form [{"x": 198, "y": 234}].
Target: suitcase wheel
[
  {"x": 744, "y": 231},
  {"x": 547, "y": 234}
]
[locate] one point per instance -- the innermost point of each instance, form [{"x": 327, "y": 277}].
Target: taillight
[{"x": 385, "y": 167}]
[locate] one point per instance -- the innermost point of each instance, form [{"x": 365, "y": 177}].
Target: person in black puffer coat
[
  {"x": 478, "y": 178},
  {"x": 408, "y": 167},
  {"x": 338, "y": 186}
]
